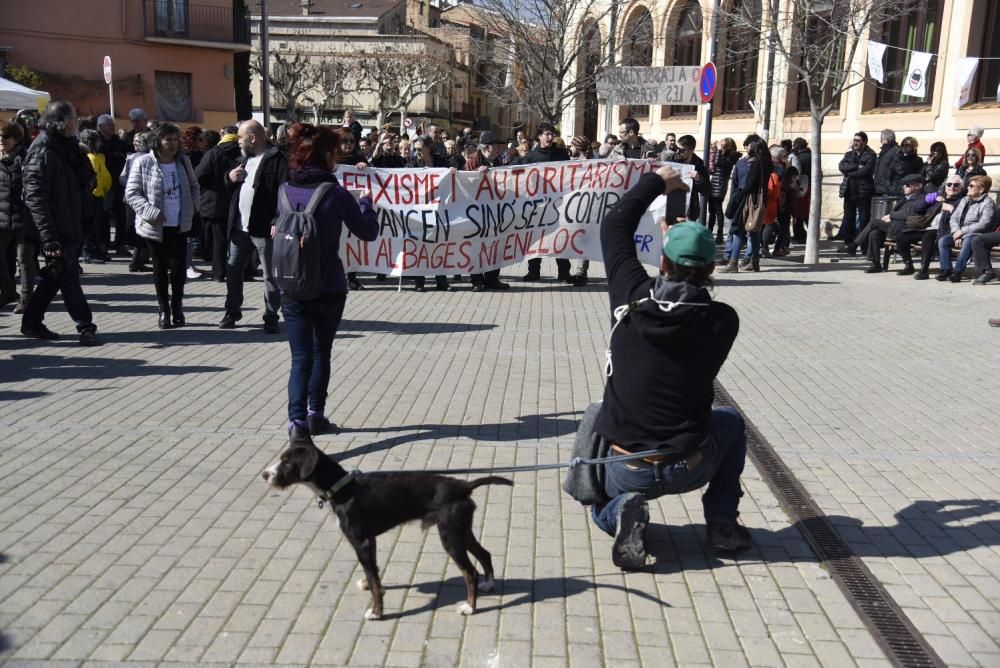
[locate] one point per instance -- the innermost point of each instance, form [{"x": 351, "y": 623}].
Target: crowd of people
[{"x": 76, "y": 190}]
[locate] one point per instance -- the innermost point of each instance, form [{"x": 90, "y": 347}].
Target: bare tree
[
  {"x": 397, "y": 79},
  {"x": 819, "y": 41},
  {"x": 531, "y": 51},
  {"x": 291, "y": 75},
  {"x": 337, "y": 77}
]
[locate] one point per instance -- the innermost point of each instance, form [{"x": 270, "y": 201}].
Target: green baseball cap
[{"x": 689, "y": 245}]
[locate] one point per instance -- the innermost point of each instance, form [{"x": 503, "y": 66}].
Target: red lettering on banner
[
  {"x": 409, "y": 254},
  {"x": 541, "y": 248},
  {"x": 549, "y": 180},
  {"x": 516, "y": 175},
  {"x": 509, "y": 248},
  {"x": 464, "y": 250},
  {"x": 560, "y": 240},
  {"x": 356, "y": 253},
  {"x": 488, "y": 254},
  {"x": 408, "y": 188},
  {"x": 522, "y": 243},
  {"x": 532, "y": 182},
  {"x": 384, "y": 256},
  {"x": 485, "y": 185},
  {"x": 573, "y": 238}
]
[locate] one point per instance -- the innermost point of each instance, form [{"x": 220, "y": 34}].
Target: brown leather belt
[{"x": 691, "y": 460}]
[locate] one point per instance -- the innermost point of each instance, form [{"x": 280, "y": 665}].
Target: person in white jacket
[{"x": 163, "y": 192}]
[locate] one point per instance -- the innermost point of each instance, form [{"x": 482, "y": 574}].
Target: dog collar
[{"x": 336, "y": 487}]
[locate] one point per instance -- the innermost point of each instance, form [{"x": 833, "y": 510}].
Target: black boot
[
  {"x": 165, "y": 317},
  {"x": 177, "y": 308}
]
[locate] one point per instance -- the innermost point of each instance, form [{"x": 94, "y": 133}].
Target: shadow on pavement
[
  {"x": 11, "y": 395},
  {"x": 410, "y": 327},
  {"x": 32, "y": 367},
  {"x": 924, "y": 529},
  {"x": 525, "y": 427},
  {"x": 516, "y": 592}
]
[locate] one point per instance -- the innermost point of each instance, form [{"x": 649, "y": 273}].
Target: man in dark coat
[
  {"x": 57, "y": 180},
  {"x": 486, "y": 157},
  {"x": 912, "y": 204},
  {"x": 857, "y": 188},
  {"x": 885, "y": 166},
  {"x": 684, "y": 154},
  {"x": 254, "y": 185},
  {"x": 115, "y": 151},
  {"x": 216, "y": 195},
  {"x": 546, "y": 151}
]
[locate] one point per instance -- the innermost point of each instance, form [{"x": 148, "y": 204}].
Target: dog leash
[{"x": 576, "y": 461}]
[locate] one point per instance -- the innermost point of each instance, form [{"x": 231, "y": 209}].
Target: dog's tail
[{"x": 489, "y": 480}]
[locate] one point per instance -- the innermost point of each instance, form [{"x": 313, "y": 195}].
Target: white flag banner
[
  {"x": 876, "y": 50},
  {"x": 435, "y": 221},
  {"x": 965, "y": 73},
  {"x": 915, "y": 84}
]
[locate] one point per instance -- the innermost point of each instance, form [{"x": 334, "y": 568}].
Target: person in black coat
[
  {"x": 685, "y": 155},
  {"x": 885, "y": 165},
  {"x": 664, "y": 354},
  {"x": 58, "y": 179},
  {"x": 547, "y": 151},
  {"x": 907, "y": 162},
  {"x": 13, "y": 217},
  {"x": 216, "y": 197},
  {"x": 721, "y": 161},
  {"x": 936, "y": 168},
  {"x": 912, "y": 204},
  {"x": 115, "y": 151},
  {"x": 857, "y": 188}
]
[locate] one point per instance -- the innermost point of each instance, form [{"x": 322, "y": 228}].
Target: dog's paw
[
  {"x": 465, "y": 609},
  {"x": 372, "y": 615},
  {"x": 362, "y": 584},
  {"x": 488, "y": 585}
]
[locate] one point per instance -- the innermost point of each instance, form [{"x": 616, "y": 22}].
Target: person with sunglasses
[
  {"x": 974, "y": 214},
  {"x": 945, "y": 201}
]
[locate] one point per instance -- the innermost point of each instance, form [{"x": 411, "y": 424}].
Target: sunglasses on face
[{"x": 953, "y": 185}]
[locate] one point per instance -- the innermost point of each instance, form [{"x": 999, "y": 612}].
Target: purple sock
[{"x": 297, "y": 423}]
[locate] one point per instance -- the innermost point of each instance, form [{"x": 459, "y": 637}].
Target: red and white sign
[
  {"x": 408, "y": 122},
  {"x": 107, "y": 70}
]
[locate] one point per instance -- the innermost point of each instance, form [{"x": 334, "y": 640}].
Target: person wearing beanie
[
  {"x": 975, "y": 138},
  {"x": 668, "y": 343}
]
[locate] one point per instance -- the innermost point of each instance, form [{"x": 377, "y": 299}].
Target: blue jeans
[
  {"x": 241, "y": 247},
  {"x": 946, "y": 242},
  {"x": 68, "y": 283},
  {"x": 311, "y": 327},
  {"x": 723, "y": 458},
  {"x": 741, "y": 237}
]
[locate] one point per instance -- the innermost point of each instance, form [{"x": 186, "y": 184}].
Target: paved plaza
[{"x": 135, "y": 528}]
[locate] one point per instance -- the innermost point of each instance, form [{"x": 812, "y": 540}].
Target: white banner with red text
[{"x": 439, "y": 221}]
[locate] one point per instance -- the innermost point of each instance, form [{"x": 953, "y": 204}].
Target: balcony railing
[{"x": 181, "y": 20}]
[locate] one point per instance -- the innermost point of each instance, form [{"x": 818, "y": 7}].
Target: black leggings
[
  {"x": 169, "y": 257},
  {"x": 715, "y": 216}
]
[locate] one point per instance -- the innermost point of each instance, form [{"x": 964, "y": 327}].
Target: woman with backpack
[
  {"x": 311, "y": 323},
  {"x": 163, "y": 192},
  {"x": 752, "y": 188}
]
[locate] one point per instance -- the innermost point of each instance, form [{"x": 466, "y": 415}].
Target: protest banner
[
  {"x": 436, "y": 221},
  {"x": 650, "y": 85}
]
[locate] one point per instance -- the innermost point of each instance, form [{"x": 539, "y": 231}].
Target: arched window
[
  {"x": 588, "y": 61},
  {"x": 687, "y": 48},
  {"x": 988, "y": 72},
  {"x": 917, "y": 31},
  {"x": 739, "y": 75},
  {"x": 637, "y": 51}
]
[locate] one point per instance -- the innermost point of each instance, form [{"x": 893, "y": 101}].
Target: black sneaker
[
  {"x": 579, "y": 279},
  {"x": 355, "y": 284},
  {"x": 985, "y": 277},
  {"x": 298, "y": 435},
  {"x": 531, "y": 276},
  {"x": 319, "y": 424},
  {"x": 269, "y": 327},
  {"x": 921, "y": 275},
  {"x": 728, "y": 536},
  {"x": 943, "y": 276},
  {"x": 88, "y": 337},
  {"x": 629, "y": 549},
  {"x": 39, "y": 331},
  {"x": 955, "y": 278},
  {"x": 874, "y": 269},
  {"x": 227, "y": 322},
  {"x": 907, "y": 270}
]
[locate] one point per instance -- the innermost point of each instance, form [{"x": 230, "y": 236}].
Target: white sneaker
[{"x": 193, "y": 273}]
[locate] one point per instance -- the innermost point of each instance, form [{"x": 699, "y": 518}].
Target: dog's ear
[{"x": 308, "y": 456}]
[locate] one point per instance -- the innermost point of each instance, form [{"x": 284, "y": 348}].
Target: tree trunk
[{"x": 815, "y": 192}]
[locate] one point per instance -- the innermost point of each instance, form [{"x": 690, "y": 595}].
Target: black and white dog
[{"x": 369, "y": 504}]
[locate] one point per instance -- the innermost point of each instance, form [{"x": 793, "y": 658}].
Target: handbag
[{"x": 753, "y": 212}]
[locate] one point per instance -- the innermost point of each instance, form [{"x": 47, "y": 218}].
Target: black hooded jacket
[
  {"x": 660, "y": 392},
  {"x": 58, "y": 179}
]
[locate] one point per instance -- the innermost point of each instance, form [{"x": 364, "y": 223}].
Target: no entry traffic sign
[{"x": 706, "y": 87}]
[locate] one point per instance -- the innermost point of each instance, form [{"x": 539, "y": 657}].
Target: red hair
[{"x": 310, "y": 145}]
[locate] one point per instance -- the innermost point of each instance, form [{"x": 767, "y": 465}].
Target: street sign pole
[
  {"x": 707, "y": 144},
  {"x": 107, "y": 80}
]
